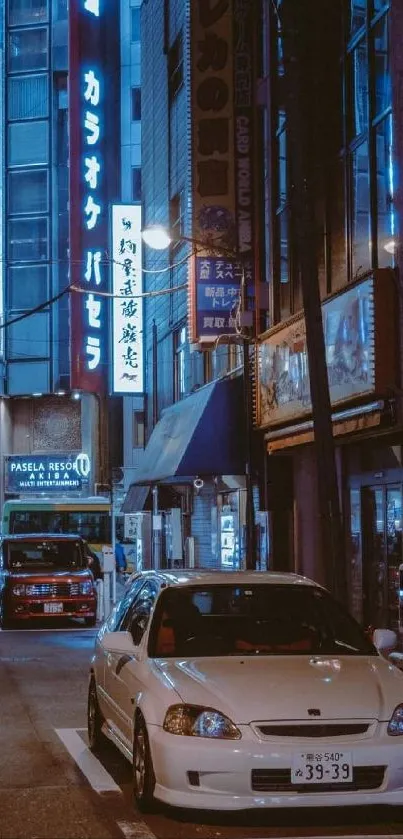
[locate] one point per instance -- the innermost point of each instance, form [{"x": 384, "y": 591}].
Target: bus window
[
  {"x": 29, "y": 521},
  {"x": 92, "y": 526}
]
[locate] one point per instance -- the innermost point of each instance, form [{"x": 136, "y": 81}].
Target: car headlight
[
  {"x": 86, "y": 588},
  {"x": 18, "y": 590},
  {"x": 395, "y": 724},
  {"x": 29, "y": 590},
  {"x": 196, "y": 721}
]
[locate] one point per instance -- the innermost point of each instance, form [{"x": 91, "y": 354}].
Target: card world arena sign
[{"x": 47, "y": 473}]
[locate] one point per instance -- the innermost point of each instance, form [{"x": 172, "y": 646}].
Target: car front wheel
[
  {"x": 143, "y": 771},
  {"x": 96, "y": 738}
]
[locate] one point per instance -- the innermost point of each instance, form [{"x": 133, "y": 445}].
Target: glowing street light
[{"x": 156, "y": 237}]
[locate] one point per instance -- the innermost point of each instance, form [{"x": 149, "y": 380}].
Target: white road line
[
  {"x": 99, "y": 778},
  {"x": 135, "y": 830},
  {"x": 90, "y": 766}
]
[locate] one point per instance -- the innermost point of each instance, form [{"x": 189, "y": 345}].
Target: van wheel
[
  {"x": 143, "y": 770},
  {"x": 96, "y": 738}
]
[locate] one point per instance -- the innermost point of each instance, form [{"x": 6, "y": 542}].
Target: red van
[{"x": 45, "y": 576}]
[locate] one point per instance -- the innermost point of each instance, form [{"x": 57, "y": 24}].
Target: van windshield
[{"x": 44, "y": 555}]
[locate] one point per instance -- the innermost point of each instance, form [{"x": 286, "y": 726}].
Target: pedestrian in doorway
[{"x": 120, "y": 558}]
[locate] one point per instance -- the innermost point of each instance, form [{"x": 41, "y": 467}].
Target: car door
[
  {"x": 104, "y": 667},
  {"x": 126, "y": 683}
]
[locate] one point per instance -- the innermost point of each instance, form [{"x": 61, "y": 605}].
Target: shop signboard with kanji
[
  {"x": 222, "y": 176},
  {"x": 127, "y": 307},
  {"x": 218, "y": 284}
]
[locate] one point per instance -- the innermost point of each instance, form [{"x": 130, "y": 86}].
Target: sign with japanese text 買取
[
  {"x": 127, "y": 311},
  {"x": 222, "y": 98},
  {"x": 218, "y": 284},
  {"x": 212, "y": 102},
  {"x": 91, "y": 177},
  {"x": 47, "y": 473}
]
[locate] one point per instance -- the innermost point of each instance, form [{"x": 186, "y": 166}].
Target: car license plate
[
  {"x": 322, "y": 768},
  {"x": 53, "y": 608}
]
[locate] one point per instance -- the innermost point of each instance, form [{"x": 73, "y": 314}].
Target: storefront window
[
  {"x": 355, "y": 582},
  {"x": 228, "y": 521}
]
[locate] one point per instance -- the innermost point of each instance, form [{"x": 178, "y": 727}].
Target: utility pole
[
  {"x": 250, "y": 540},
  {"x": 301, "y": 31}
]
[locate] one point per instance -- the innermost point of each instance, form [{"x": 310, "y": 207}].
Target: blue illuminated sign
[
  {"x": 47, "y": 473},
  {"x": 218, "y": 284}
]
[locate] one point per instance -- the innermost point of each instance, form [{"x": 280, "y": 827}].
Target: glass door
[
  {"x": 374, "y": 573},
  {"x": 376, "y": 554},
  {"x": 393, "y": 551}
]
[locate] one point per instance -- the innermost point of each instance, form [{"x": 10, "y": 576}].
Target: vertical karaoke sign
[{"x": 88, "y": 195}]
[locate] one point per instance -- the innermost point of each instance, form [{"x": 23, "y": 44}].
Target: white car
[{"x": 246, "y": 690}]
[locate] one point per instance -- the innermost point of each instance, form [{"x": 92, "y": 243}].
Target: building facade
[
  {"x": 352, "y": 102},
  {"x": 48, "y": 405},
  {"x": 192, "y": 476}
]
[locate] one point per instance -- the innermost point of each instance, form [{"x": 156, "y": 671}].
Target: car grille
[
  {"x": 313, "y": 730},
  {"x": 279, "y": 780},
  {"x": 54, "y": 590}
]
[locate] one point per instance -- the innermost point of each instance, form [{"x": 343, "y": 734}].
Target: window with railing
[
  {"x": 28, "y": 50},
  {"x": 180, "y": 363},
  {"x": 175, "y": 67},
  {"x": 23, "y": 12}
]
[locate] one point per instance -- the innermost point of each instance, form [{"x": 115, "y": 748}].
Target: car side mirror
[
  {"x": 118, "y": 642},
  {"x": 384, "y": 639},
  {"x": 138, "y": 628}
]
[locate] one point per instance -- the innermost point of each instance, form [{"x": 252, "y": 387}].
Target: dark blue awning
[{"x": 201, "y": 435}]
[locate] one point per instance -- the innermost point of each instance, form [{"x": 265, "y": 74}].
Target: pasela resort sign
[{"x": 47, "y": 473}]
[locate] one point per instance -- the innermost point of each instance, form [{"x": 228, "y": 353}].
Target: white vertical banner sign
[{"x": 127, "y": 309}]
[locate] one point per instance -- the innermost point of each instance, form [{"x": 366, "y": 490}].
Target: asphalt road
[{"x": 51, "y": 787}]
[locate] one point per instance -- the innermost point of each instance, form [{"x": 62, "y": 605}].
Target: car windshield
[
  {"x": 263, "y": 619},
  {"x": 44, "y": 555}
]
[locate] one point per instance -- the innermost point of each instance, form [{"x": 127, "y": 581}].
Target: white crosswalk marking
[
  {"x": 135, "y": 830},
  {"x": 99, "y": 778}
]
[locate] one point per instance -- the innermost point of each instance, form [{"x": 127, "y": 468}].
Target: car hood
[{"x": 285, "y": 687}]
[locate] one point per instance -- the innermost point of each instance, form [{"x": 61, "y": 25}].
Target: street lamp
[
  {"x": 156, "y": 237},
  {"x": 159, "y": 238}
]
